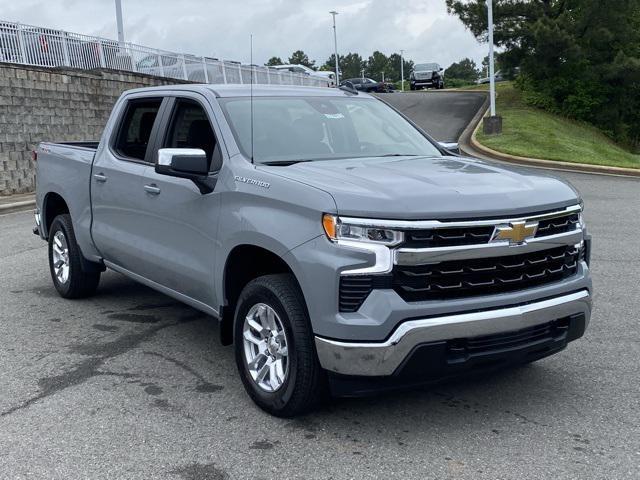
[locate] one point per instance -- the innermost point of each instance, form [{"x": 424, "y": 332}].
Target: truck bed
[{"x": 65, "y": 169}]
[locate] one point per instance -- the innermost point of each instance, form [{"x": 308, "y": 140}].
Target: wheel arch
[
  {"x": 52, "y": 206},
  {"x": 244, "y": 263}
]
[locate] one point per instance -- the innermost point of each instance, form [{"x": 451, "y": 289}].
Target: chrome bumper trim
[
  {"x": 383, "y": 358},
  {"x": 421, "y": 256}
]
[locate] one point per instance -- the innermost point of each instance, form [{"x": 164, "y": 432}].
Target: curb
[
  {"x": 552, "y": 164},
  {"x": 19, "y": 206}
]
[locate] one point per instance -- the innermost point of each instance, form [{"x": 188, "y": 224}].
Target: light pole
[
  {"x": 119, "y": 22},
  {"x": 335, "y": 45},
  {"x": 493, "y": 123},
  {"x": 402, "y": 70},
  {"x": 492, "y": 84}
]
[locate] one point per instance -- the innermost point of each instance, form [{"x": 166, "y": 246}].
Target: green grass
[{"x": 531, "y": 132}]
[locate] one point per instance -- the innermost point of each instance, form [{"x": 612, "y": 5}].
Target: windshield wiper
[
  {"x": 398, "y": 155},
  {"x": 285, "y": 163}
]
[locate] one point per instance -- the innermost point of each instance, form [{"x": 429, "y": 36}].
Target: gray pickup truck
[{"x": 341, "y": 249}]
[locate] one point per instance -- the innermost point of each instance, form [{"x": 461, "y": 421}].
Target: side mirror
[
  {"x": 452, "y": 147},
  {"x": 441, "y": 69},
  {"x": 190, "y": 163}
]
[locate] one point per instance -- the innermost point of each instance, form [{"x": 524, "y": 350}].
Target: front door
[{"x": 181, "y": 222}]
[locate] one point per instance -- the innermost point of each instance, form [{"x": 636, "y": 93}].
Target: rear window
[{"x": 135, "y": 128}]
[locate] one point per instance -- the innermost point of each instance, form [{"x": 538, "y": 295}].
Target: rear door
[
  {"x": 117, "y": 183},
  {"x": 181, "y": 223}
]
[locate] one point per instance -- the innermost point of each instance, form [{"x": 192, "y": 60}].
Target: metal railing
[{"x": 45, "y": 47}]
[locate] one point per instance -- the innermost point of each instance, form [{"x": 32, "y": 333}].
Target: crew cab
[{"x": 338, "y": 245}]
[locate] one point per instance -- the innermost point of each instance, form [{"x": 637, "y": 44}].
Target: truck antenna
[{"x": 251, "y": 93}]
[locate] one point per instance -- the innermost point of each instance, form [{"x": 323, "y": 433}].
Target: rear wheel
[
  {"x": 65, "y": 261},
  {"x": 274, "y": 347}
]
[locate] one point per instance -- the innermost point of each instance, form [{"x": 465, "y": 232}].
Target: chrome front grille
[
  {"x": 423, "y": 75},
  {"x": 439, "y": 260}
]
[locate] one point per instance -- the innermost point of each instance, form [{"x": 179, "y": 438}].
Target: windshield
[
  {"x": 421, "y": 67},
  {"x": 289, "y": 129}
]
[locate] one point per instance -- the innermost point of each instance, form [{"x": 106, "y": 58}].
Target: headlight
[{"x": 336, "y": 230}]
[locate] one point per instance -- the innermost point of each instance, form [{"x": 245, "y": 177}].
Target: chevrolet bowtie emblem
[{"x": 516, "y": 232}]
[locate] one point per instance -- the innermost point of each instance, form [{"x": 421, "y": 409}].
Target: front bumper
[
  {"x": 423, "y": 83},
  {"x": 380, "y": 359}
]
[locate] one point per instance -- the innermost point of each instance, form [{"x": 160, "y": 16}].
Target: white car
[{"x": 330, "y": 76}]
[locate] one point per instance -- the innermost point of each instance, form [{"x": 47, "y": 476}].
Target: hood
[{"x": 430, "y": 188}]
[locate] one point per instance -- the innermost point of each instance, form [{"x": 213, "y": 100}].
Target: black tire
[
  {"x": 305, "y": 383},
  {"x": 79, "y": 283}
]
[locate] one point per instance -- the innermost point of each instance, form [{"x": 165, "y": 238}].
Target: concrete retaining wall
[{"x": 39, "y": 104}]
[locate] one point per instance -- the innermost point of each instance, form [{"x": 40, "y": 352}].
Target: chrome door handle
[
  {"x": 100, "y": 177},
  {"x": 152, "y": 189}
]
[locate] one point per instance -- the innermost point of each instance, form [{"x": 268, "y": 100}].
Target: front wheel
[
  {"x": 65, "y": 261},
  {"x": 274, "y": 347}
]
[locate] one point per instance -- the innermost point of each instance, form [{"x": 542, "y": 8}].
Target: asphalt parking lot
[{"x": 130, "y": 384}]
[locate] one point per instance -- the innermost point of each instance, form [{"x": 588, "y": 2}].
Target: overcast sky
[{"x": 221, "y": 29}]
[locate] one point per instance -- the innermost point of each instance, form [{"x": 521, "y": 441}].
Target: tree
[
  {"x": 273, "y": 61},
  {"x": 378, "y": 62},
  {"x": 580, "y": 58},
  {"x": 351, "y": 65},
  {"x": 394, "y": 74},
  {"x": 300, "y": 58},
  {"x": 465, "y": 69}
]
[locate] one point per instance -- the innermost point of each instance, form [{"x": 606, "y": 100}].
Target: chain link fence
[{"x": 45, "y": 47}]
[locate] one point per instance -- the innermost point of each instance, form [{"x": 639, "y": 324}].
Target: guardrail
[{"x": 45, "y": 47}]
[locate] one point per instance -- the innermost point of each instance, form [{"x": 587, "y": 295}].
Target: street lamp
[
  {"x": 335, "y": 45},
  {"x": 493, "y": 123},
  {"x": 119, "y": 22},
  {"x": 402, "y": 70}
]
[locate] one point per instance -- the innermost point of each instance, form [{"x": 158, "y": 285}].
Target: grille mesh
[{"x": 484, "y": 276}]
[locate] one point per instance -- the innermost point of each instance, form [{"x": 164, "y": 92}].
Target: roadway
[{"x": 130, "y": 384}]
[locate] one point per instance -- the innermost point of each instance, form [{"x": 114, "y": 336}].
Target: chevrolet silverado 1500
[{"x": 341, "y": 249}]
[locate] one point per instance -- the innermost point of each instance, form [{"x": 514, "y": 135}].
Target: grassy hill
[{"x": 531, "y": 132}]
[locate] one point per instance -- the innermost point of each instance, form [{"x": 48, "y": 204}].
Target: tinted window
[
  {"x": 135, "y": 128},
  {"x": 420, "y": 67},
  {"x": 190, "y": 128}
]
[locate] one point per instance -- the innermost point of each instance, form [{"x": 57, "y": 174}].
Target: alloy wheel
[{"x": 265, "y": 347}]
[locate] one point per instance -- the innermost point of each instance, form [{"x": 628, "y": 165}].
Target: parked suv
[
  {"x": 426, "y": 75},
  {"x": 338, "y": 246}
]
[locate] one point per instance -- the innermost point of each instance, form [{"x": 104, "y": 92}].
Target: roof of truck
[{"x": 237, "y": 90}]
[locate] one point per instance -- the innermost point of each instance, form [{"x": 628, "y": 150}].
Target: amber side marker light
[{"x": 329, "y": 225}]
